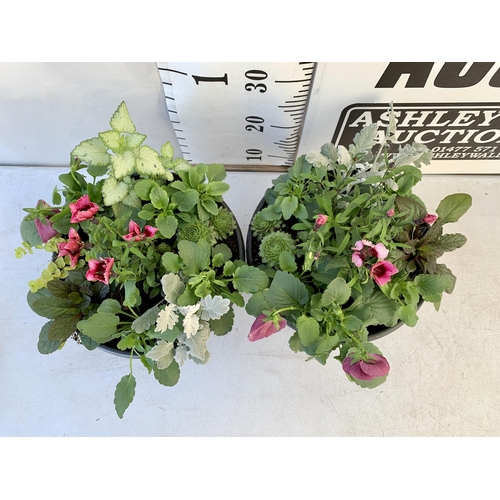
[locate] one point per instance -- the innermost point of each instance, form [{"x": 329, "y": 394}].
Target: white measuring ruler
[{"x": 248, "y": 116}]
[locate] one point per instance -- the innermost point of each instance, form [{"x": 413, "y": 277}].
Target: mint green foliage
[
  {"x": 171, "y": 283},
  {"x": 316, "y": 286}
]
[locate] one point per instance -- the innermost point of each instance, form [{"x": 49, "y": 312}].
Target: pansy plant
[{"x": 347, "y": 245}]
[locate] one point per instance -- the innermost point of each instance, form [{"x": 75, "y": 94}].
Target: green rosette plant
[
  {"x": 145, "y": 255},
  {"x": 348, "y": 247}
]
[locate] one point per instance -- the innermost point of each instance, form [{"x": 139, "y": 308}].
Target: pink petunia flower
[
  {"x": 262, "y": 329},
  {"x": 382, "y": 271},
  {"x": 135, "y": 234},
  {"x": 72, "y": 247},
  {"x": 45, "y": 230},
  {"x": 430, "y": 219},
  {"x": 82, "y": 209},
  {"x": 320, "y": 221},
  {"x": 365, "y": 249},
  {"x": 375, "y": 366},
  {"x": 100, "y": 270}
]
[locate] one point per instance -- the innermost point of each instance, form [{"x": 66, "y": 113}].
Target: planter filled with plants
[
  {"x": 147, "y": 259},
  {"x": 351, "y": 251}
]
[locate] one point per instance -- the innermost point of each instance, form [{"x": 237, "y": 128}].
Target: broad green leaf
[
  {"x": 159, "y": 197},
  {"x": 54, "y": 307},
  {"x": 167, "y": 151},
  {"x": 62, "y": 328},
  {"x": 186, "y": 200},
  {"x": 59, "y": 288},
  {"x": 148, "y": 162},
  {"x": 171, "y": 262},
  {"x": 167, "y": 225},
  {"x": 287, "y": 262},
  {"x": 224, "y": 324},
  {"x": 374, "y": 309},
  {"x": 223, "y": 249},
  {"x": 124, "y": 394},
  {"x": 96, "y": 171},
  {"x": 352, "y": 323},
  {"x": 100, "y": 327},
  {"x": 288, "y": 206},
  {"x": 453, "y": 207},
  {"x": 133, "y": 141},
  {"x": 443, "y": 270},
  {"x": 194, "y": 257},
  {"x": 327, "y": 344},
  {"x": 112, "y": 139},
  {"x": 92, "y": 151},
  {"x": 29, "y": 233},
  {"x": 337, "y": 292},
  {"x": 169, "y": 376},
  {"x": 46, "y": 346},
  {"x": 215, "y": 172},
  {"x": 110, "y": 306},
  {"x": 217, "y": 188},
  {"x": 146, "y": 320},
  {"x": 249, "y": 279},
  {"x": 209, "y": 205},
  {"x": 285, "y": 291},
  {"x": 144, "y": 187},
  {"x": 132, "y": 294},
  {"x": 123, "y": 164},
  {"x": 256, "y": 304},
  {"x": 408, "y": 314},
  {"x": 308, "y": 330},
  {"x": 431, "y": 286},
  {"x": 121, "y": 121}
]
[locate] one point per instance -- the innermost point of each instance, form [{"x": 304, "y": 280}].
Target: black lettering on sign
[{"x": 199, "y": 79}]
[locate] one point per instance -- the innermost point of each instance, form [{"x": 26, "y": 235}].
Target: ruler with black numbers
[{"x": 248, "y": 116}]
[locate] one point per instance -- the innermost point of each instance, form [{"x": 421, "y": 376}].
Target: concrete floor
[{"x": 445, "y": 372}]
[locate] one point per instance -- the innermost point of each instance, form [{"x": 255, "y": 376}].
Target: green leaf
[
  {"x": 287, "y": 262},
  {"x": 171, "y": 262},
  {"x": 443, "y": 270},
  {"x": 286, "y": 291},
  {"x": 159, "y": 197},
  {"x": 209, "y": 205},
  {"x": 167, "y": 225},
  {"x": 54, "y": 307},
  {"x": 172, "y": 287},
  {"x": 45, "y": 345},
  {"x": 288, "y": 206},
  {"x": 62, "y": 328},
  {"x": 124, "y": 394},
  {"x": 112, "y": 139},
  {"x": 217, "y": 188},
  {"x": 374, "y": 309},
  {"x": 453, "y": 207},
  {"x": 365, "y": 139},
  {"x": 92, "y": 151},
  {"x": 121, "y": 121},
  {"x": 224, "y": 324},
  {"x": 352, "y": 323},
  {"x": 194, "y": 257},
  {"x": 216, "y": 172},
  {"x": 100, "y": 327},
  {"x": 29, "y": 233},
  {"x": 408, "y": 314},
  {"x": 169, "y": 376},
  {"x": 337, "y": 292},
  {"x": 249, "y": 279},
  {"x": 110, "y": 306},
  {"x": 308, "y": 330},
  {"x": 186, "y": 200},
  {"x": 144, "y": 322},
  {"x": 144, "y": 187},
  {"x": 431, "y": 286},
  {"x": 132, "y": 294},
  {"x": 167, "y": 151},
  {"x": 256, "y": 304},
  {"x": 148, "y": 162}
]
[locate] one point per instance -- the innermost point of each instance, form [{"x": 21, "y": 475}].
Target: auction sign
[{"x": 453, "y": 108}]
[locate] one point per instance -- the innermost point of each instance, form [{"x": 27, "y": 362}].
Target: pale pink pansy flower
[
  {"x": 261, "y": 329},
  {"x": 72, "y": 247},
  {"x": 100, "y": 270},
  {"x": 365, "y": 249},
  {"x": 382, "y": 271},
  {"x": 83, "y": 209},
  {"x": 375, "y": 366},
  {"x": 135, "y": 233}
]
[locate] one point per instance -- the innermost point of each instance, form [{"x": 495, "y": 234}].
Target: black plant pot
[
  {"x": 234, "y": 242},
  {"x": 374, "y": 332}
]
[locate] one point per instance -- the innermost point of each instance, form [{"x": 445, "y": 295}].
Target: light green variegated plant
[{"x": 145, "y": 255}]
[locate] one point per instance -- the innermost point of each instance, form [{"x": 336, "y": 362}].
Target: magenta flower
[
  {"x": 365, "y": 250},
  {"x": 100, "y": 270},
  {"x": 320, "y": 221},
  {"x": 382, "y": 271},
  {"x": 375, "y": 366},
  {"x": 82, "y": 209},
  {"x": 135, "y": 232},
  {"x": 262, "y": 329},
  {"x": 45, "y": 229},
  {"x": 429, "y": 218},
  {"x": 390, "y": 212},
  {"x": 72, "y": 247}
]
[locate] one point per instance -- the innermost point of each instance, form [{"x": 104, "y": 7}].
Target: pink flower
[
  {"x": 382, "y": 271},
  {"x": 390, "y": 212},
  {"x": 365, "y": 249},
  {"x": 320, "y": 221},
  {"x": 135, "y": 232},
  {"x": 262, "y": 329},
  {"x": 100, "y": 270},
  {"x": 72, "y": 247},
  {"x": 45, "y": 229},
  {"x": 375, "y": 366},
  {"x": 82, "y": 209},
  {"x": 429, "y": 218}
]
